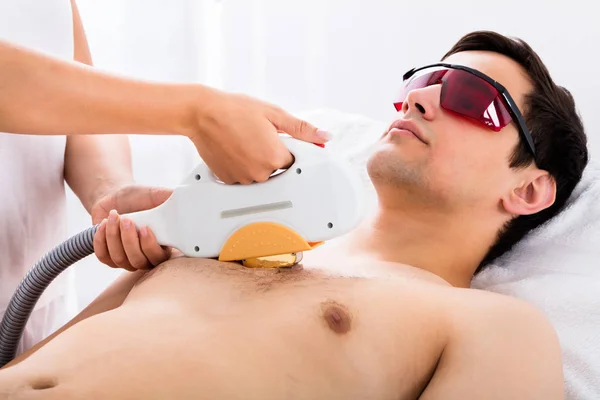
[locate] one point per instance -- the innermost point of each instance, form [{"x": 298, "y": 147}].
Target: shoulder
[
  {"x": 507, "y": 322},
  {"x": 499, "y": 347},
  {"x": 511, "y": 316}
]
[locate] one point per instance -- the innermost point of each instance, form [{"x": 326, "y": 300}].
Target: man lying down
[{"x": 383, "y": 313}]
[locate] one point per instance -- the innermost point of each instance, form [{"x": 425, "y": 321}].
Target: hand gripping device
[{"x": 317, "y": 198}]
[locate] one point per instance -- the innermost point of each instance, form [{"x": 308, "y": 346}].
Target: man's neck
[{"x": 447, "y": 247}]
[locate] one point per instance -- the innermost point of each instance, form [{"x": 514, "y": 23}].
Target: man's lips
[{"x": 408, "y": 125}]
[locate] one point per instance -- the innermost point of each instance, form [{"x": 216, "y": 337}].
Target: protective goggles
[{"x": 469, "y": 93}]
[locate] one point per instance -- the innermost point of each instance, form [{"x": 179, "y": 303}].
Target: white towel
[{"x": 556, "y": 267}]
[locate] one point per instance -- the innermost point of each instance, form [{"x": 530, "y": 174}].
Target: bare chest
[{"x": 302, "y": 327}]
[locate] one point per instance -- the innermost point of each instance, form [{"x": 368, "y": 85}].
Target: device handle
[
  {"x": 301, "y": 150},
  {"x": 200, "y": 173}
]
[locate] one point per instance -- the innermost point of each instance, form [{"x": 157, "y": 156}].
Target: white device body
[{"x": 319, "y": 197}]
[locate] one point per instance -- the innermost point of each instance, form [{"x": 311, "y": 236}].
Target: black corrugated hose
[{"x": 33, "y": 285}]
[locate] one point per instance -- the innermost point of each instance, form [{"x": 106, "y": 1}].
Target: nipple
[{"x": 337, "y": 317}]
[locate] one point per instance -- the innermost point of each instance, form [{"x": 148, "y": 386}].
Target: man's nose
[{"x": 425, "y": 101}]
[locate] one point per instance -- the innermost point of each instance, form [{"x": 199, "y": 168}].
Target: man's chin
[{"x": 388, "y": 167}]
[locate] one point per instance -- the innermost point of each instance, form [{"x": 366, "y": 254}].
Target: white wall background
[{"x": 347, "y": 55}]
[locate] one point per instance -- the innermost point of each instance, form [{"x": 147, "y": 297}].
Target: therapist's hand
[
  {"x": 237, "y": 136},
  {"x": 117, "y": 242}
]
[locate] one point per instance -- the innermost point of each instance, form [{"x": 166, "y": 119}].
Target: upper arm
[
  {"x": 506, "y": 350},
  {"x": 106, "y": 157}
]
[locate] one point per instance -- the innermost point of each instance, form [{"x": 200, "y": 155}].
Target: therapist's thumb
[{"x": 300, "y": 129}]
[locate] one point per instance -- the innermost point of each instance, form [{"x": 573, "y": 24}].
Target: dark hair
[{"x": 556, "y": 127}]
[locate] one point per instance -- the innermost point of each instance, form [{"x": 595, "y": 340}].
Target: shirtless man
[{"x": 383, "y": 313}]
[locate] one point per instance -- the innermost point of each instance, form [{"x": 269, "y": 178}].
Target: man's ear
[{"x": 536, "y": 193}]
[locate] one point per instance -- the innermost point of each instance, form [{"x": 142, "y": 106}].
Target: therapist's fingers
[
  {"x": 131, "y": 245},
  {"x": 101, "y": 247},
  {"x": 155, "y": 253},
  {"x": 113, "y": 241},
  {"x": 296, "y": 127}
]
